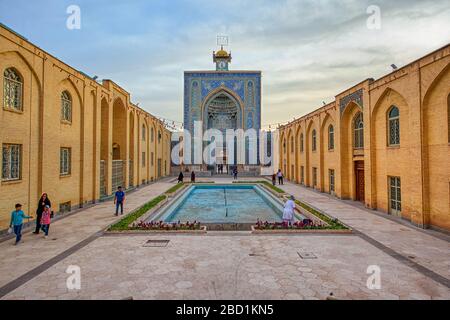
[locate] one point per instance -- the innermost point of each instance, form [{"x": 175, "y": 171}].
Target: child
[
  {"x": 17, "y": 217},
  {"x": 46, "y": 220}
]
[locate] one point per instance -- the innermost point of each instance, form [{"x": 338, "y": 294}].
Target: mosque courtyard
[{"x": 233, "y": 265}]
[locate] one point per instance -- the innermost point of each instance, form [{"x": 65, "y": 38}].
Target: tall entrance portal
[
  {"x": 222, "y": 100},
  {"x": 223, "y": 113}
]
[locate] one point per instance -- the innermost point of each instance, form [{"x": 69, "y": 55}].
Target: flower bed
[
  {"x": 334, "y": 224},
  {"x": 125, "y": 222},
  {"x": 298, "y": 225},
  {"x": 162, "y": 226}
]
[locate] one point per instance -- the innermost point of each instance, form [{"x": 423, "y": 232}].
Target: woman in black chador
[{"x": 43, "y": 201}]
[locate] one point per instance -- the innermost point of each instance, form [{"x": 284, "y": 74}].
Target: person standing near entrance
[
  {"x": 193, "y": 177},
  {"x": 280, "y": 177},
  {"x": 16, "y": 223},
  {"x": 43, "y": 202},
  {"x": 119, "y": 200},
  {"x": 181, "y": 177},
  {"x": 235, "y": 173}
]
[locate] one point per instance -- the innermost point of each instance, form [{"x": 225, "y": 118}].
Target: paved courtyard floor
[{"x": 414, "y": 264}]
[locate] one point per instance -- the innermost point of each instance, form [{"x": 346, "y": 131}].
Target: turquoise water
[{"x": 224, "y": 204}]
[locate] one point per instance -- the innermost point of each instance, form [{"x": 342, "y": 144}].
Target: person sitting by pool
[{"x": 288, "y": 212}]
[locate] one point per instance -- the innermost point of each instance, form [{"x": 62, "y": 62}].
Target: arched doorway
[
  {"x": 104, "y": 148},
  {"x": 131, "y": 151},
  {"x": 223, "y": 112},
  {"x": 119, "y": 135},
  {"x": 352, "y": 153}
]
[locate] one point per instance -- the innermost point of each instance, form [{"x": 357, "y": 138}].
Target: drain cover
[
  {"x": 156, "y": 243},
  {"x": 307, "y": 255}
]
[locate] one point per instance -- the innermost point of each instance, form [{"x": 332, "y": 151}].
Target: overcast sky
[{"x": 308, "y": 50}]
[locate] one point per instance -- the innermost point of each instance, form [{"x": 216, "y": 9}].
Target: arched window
[
  {"x": 152, "y": 135},
  {"x": 331, "y": 137},
  {"x": 66, "y": 106},
  {"x": 358, "y": 131},
  {"x": 284, "y": 145},
  {"x": 394, "y": 126},
  {"x": 159, "y": 136},
  {"x": 314, "y": 140},
  {"x": 12, "y": 90},
  {"x": 144, "y": 132},
  {"x": 292, "y": 144},
  {"x": 301, "y": 142}
]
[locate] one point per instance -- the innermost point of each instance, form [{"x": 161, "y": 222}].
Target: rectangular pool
[{"x": 222, "y": 204}]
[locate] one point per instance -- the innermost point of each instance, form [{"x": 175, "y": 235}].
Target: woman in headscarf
[{"x": 43, "y": 201}]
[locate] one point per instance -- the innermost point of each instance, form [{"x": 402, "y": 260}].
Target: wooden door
[{"x": 359, "y": 173}]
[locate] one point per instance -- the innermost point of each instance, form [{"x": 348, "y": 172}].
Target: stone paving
[
  {"x": 229, "y": 266},
  {"x": 35, "y": 250},
  {"x": 423, "y": 248}
]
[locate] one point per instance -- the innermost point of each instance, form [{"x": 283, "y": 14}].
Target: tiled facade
[
  {"x": 398, "y": 162},
  {"x": 101, "y": 141}
]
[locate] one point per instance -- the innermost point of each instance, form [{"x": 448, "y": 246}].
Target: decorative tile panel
[{"x": 356, "y": 97}]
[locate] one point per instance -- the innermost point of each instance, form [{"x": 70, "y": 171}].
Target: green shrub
[
  {"x": 126, "y": 221},
  {"x": 175, "y": 188},
  {"x": 334, "y": 223}
]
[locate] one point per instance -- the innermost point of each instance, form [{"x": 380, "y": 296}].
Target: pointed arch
[
  {"x": 232, "y": 96},
  {"x": 290, "y": 155},
  {"x": 435, "y": 114},
  {"x": 347, "y": 177},
  {"x": 444, "y": 72},
  {"x": 310, "y": 126},
  {"x": 25, "y": 61},
  {"x": 132, "y": 148},
  {"x": 68, "y": 83}
]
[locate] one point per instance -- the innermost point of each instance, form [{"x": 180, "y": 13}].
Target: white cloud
[{"x": 308, "y": 50}]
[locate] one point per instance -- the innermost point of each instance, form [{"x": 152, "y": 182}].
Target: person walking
[
  {"x": 288, "y": 212},
  {"x": 235, "y": 173},
  {"x": 16, "y": 223},
  {"x": 180, "y": 177},
  {"x": 193, "y": 177},
  {"x": 280, "y": 177},
  {"x": 119, "y": 200},
  {"x": 46, "y": 220},
  {"x": 43, "y": 202}
]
